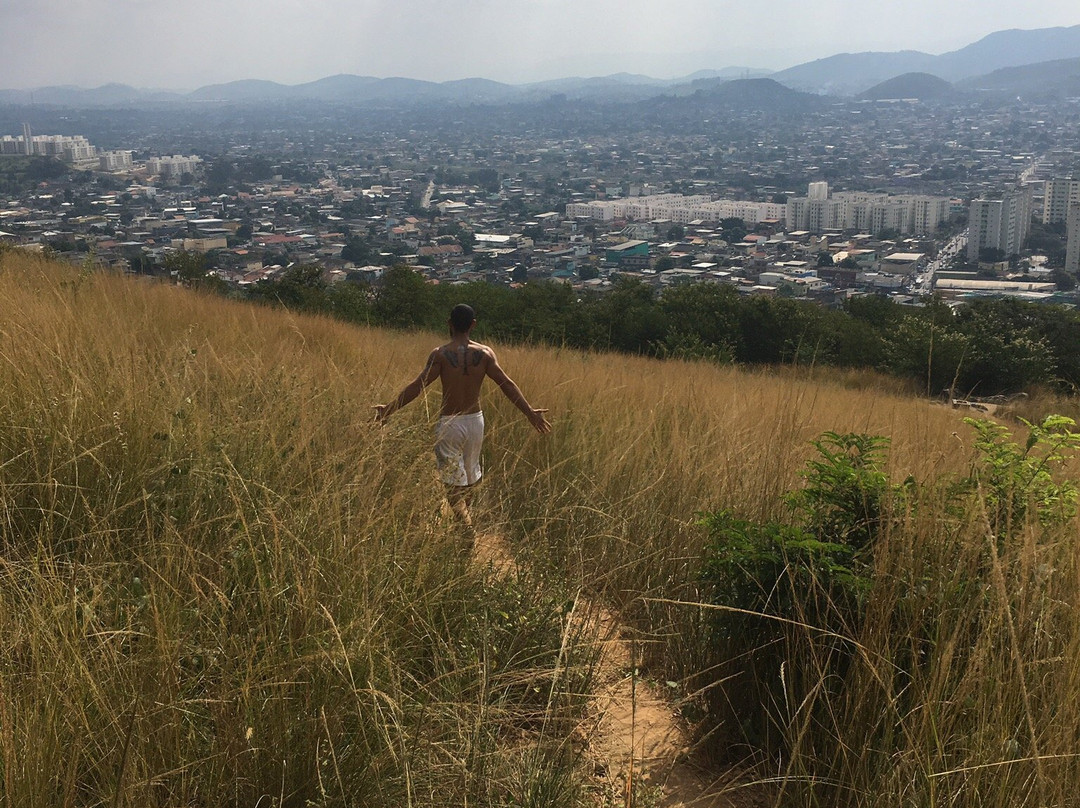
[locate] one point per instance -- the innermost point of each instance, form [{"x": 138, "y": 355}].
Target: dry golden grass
[{"x": 221, "y": 584}]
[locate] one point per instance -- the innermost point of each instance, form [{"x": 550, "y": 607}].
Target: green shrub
[
  {"x": 846, "y": 489},
  {"x": 1016, "y": 482},
  {"x": 787, "y": 592}
]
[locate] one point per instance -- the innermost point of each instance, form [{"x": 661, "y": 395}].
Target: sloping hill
[
  {"x": 346, "y": 88},
  {"x": 106, "y": 95},
  {"x": 910, "y": 85},
  {"x": 852, "y": 73},
  {"x": 335, "y": 88},
  {"x": 1010, "y": 48},
  {"x": 480, "y": 90},
  {"x": 760, "y": 94},
  {"x": 243, "y": 90},
  {"x": 617, "y": 87},
  {"x": 1059, "y": 78}
]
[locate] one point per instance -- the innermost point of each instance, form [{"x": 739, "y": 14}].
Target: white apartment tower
[
  {"x": 114, "y": 160},
  {"x": 818, "y": 190},
  {"x": 173, "y": 167},
  {"x": 1059, "y": 195},
  {"x": 1072, "y": 247},
  {"x": 999, "y": 223},
  {"x": 27, "y": 140},
  {"x": 867, "y": 212}
]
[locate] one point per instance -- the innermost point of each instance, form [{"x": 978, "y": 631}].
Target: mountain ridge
[
  {"x": 853, "y": 73},
  {"x": 1060, "y": 77},
  {"x": 842, "y": 74}
]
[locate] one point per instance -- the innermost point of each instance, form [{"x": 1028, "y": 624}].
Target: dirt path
[
  {"x": 633, "y": 737},
  {"x": 491, "y": 548}
]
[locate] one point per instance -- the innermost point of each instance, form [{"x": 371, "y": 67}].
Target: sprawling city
[{"x": 899, "y": 198}]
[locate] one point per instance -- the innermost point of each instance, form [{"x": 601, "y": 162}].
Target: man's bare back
[{"x": 461, "y": 366}]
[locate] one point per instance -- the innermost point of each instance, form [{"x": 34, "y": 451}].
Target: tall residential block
[
  {"x": 173, "y": 167},
  {"x": 1072, "y": 247},
  {"x": 74, "y": 148},
  {"x": 1001, "y": 224},
  {"x": 675, "y": 208},
  {"x": 114, "y": 160},
  {"x": 867, "y": 212},
  {"x": 1059, "y": 195}
]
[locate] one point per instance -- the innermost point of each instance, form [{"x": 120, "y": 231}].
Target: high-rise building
[
  {"x": 676, "y": 208},
  {"x": 114, "y": 160},
  {"x": 818, "y": 190},
  {"x": 1072, "y": 247},
  {"x": 1001, "y": 224},
  {"x": 173, "y": 167},
  {"x": 73, "y": 148},
  {"x": 12, "y": 145},
  {"x": 867, "y": 212},
  {"x": 1059, "y": 195}
]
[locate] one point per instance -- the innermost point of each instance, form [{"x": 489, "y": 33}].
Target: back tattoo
[{"x": 473, "y": 357}]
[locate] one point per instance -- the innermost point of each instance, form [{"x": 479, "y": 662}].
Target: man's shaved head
[{"x": 461, "y": 318}]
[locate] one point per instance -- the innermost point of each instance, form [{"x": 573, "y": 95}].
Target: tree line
[{"x": 986, "y": 347}]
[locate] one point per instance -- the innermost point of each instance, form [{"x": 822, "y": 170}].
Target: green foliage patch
[
  {"x": 988, "y": 347},
  {"x": 789, "y": 598}
]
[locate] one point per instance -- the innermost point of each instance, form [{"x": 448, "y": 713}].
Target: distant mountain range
[
  {"x": 346, "y": 88},
  {"x": 1044, "y": 61},
  {"x": 853, "y": 73}
]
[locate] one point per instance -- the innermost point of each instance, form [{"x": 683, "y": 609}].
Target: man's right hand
[{"x": 539, "y": 422}]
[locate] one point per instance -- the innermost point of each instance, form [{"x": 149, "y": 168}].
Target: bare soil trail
[{"x": 635, "y": 742}]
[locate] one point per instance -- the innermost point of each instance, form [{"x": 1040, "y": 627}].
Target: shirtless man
[{"x": 462, "y": 365}]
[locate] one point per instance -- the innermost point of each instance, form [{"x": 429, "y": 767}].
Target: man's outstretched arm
[
  {"x": 414, "y": 388},
  {"x": 517, "y": 398}
]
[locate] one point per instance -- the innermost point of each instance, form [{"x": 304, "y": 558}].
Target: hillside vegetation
[
  {"x": 221, "y": 584},
  {"x": 19, "y": 174},
  {"x": 986, "y": 347}
]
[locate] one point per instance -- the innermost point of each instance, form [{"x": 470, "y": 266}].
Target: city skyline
[{"x": 147, "y": 43}]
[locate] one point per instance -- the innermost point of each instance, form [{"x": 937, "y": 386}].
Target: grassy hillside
[{"x": 221, "y": 584}]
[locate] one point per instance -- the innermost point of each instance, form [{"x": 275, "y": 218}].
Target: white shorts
[{"x": 458, "y": 439}]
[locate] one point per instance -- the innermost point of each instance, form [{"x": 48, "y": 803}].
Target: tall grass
[
  {"x": 221, "y": 584},
  {"x": 961, "y": 690}
]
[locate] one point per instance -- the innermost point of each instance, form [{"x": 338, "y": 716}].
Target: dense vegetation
[
  {"x": 986, "y": 347},
  {"x": 20, "y": 174},
  {"x": 221, "y": 584}
]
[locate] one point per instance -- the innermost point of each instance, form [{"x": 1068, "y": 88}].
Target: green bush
[
  {"x": 1017, "y": 482},
  {"x": 786, "y": 592}
]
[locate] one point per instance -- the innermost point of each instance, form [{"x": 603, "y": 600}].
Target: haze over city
[{"x": 153, "y": 44}]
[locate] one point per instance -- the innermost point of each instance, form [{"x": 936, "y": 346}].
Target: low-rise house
[
  {"x": 632, "y": 254},
  {"x": 899, "y": 263},
  {"x": 205, "y": 244}
]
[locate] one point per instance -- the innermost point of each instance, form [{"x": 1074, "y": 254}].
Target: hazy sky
[{"x": 153, "y": 43}]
